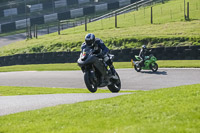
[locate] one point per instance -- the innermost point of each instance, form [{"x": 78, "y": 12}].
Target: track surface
[{"x": 132, "y": 80}]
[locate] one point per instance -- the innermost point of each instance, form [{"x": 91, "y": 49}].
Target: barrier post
[
  {"x": 151, "y": 15},
  {"x": 58, "y": 27},
  {"x": 188, "y": 11},
  {"x": 36, "y": 32},
  {"x": 85, "y": 23},
  {"x": 30, "y": 33},
  {"x": 115, "y": 20}
]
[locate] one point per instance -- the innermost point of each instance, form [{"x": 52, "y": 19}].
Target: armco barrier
[{"x": 164, "y": 53}]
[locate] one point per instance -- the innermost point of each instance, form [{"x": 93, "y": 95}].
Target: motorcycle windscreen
[{"x": 88, "y": 61}]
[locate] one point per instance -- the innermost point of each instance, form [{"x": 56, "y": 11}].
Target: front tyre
[
  {"x": 92, "y": 87},
  {"x": 116, "y": 84},
  {"x": 137, "y": 67},
  {"x": 154, "y": 67}
]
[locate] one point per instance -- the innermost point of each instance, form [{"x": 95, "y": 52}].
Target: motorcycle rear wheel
[
  {"x": 154, "y": 67},
  {"x": 116, "y": 84},
  {"x": 91, "y": 86}
]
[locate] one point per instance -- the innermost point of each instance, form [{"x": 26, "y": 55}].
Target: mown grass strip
[
  {"x": 166, "y": 110},
  {"x": 14, "y": 90},
  {"x": 179, "y": 63},
  {"x": 118, "y": 65},
  {"x": 41, "y": 67},
  {"x": 165, "y": 64}
]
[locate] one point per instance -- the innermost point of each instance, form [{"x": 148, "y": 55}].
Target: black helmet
[
  {"x": 89, "y": 39},
  {"x": 144, "y": 47}
]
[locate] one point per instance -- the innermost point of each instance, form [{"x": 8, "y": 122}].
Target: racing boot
[{"x": 141, "y": 63}]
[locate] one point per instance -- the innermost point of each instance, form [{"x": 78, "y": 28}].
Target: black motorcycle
[{"x": 95, "y": 69}]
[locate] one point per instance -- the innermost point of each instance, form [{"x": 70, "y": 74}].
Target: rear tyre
[
  {"x": 137, "y": 67},
  {"x": 154, "y": 67},
  {"x": 116, "y": 84},
  {"x": 92, "y": 87}
]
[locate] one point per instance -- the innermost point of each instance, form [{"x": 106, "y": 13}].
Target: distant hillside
[{"x": 134, "y": 29}]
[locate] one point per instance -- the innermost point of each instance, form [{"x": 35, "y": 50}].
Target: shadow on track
[{"x": 158, "y": 72}]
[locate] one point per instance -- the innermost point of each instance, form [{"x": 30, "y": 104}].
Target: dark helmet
[
  {"x": 90, "y": 39},
  {"x": 144, "y": 47}
]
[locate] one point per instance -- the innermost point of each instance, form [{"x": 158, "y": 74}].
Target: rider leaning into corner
[
  {"x": 99, "y": 49},
  {"x": 143, "y": 52}
]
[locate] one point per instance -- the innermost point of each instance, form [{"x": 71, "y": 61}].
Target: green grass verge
[
  {"x": 169, "y": 110},
  {"x": 166, "y": 64},
  {"x": 13, "y": 90},
  {"x": 41, "y": 67},
  {"x": 134, "y": 29},
  {"x": 118, "y": 65},
  {"x": 179, "y": 63}
]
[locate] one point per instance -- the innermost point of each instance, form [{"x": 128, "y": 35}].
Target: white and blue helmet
[
  {"x": 90, "y": 39},
  {"x": 144, "y": 47}
]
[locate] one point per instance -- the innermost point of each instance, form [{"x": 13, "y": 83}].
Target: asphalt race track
[{"x": 131, "y": 80}]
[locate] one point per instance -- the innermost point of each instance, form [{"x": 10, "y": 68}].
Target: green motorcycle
[{"x": 149, "y": 63}]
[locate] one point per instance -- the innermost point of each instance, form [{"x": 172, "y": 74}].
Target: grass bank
[
  {"x": 164, "y": 110},
  {"x": 13, "y": 90},
  {"x": 118, "y": 65},
  {"x": 134, "y": 29}
]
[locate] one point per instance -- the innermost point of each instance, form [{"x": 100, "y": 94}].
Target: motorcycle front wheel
[
  {"x": 154, "y": 67},
  {"x": 116, "y": 84},
  {"x": 92, "y": 87},
  {"x": 137, "y": 67}
]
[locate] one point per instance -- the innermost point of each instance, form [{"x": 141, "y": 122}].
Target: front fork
[
  {"x": 133, "y": 63},
  {"x": 92, "y": 74}
]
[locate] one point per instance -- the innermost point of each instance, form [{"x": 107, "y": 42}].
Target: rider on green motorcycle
[{"x": 143, "y": 52}]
